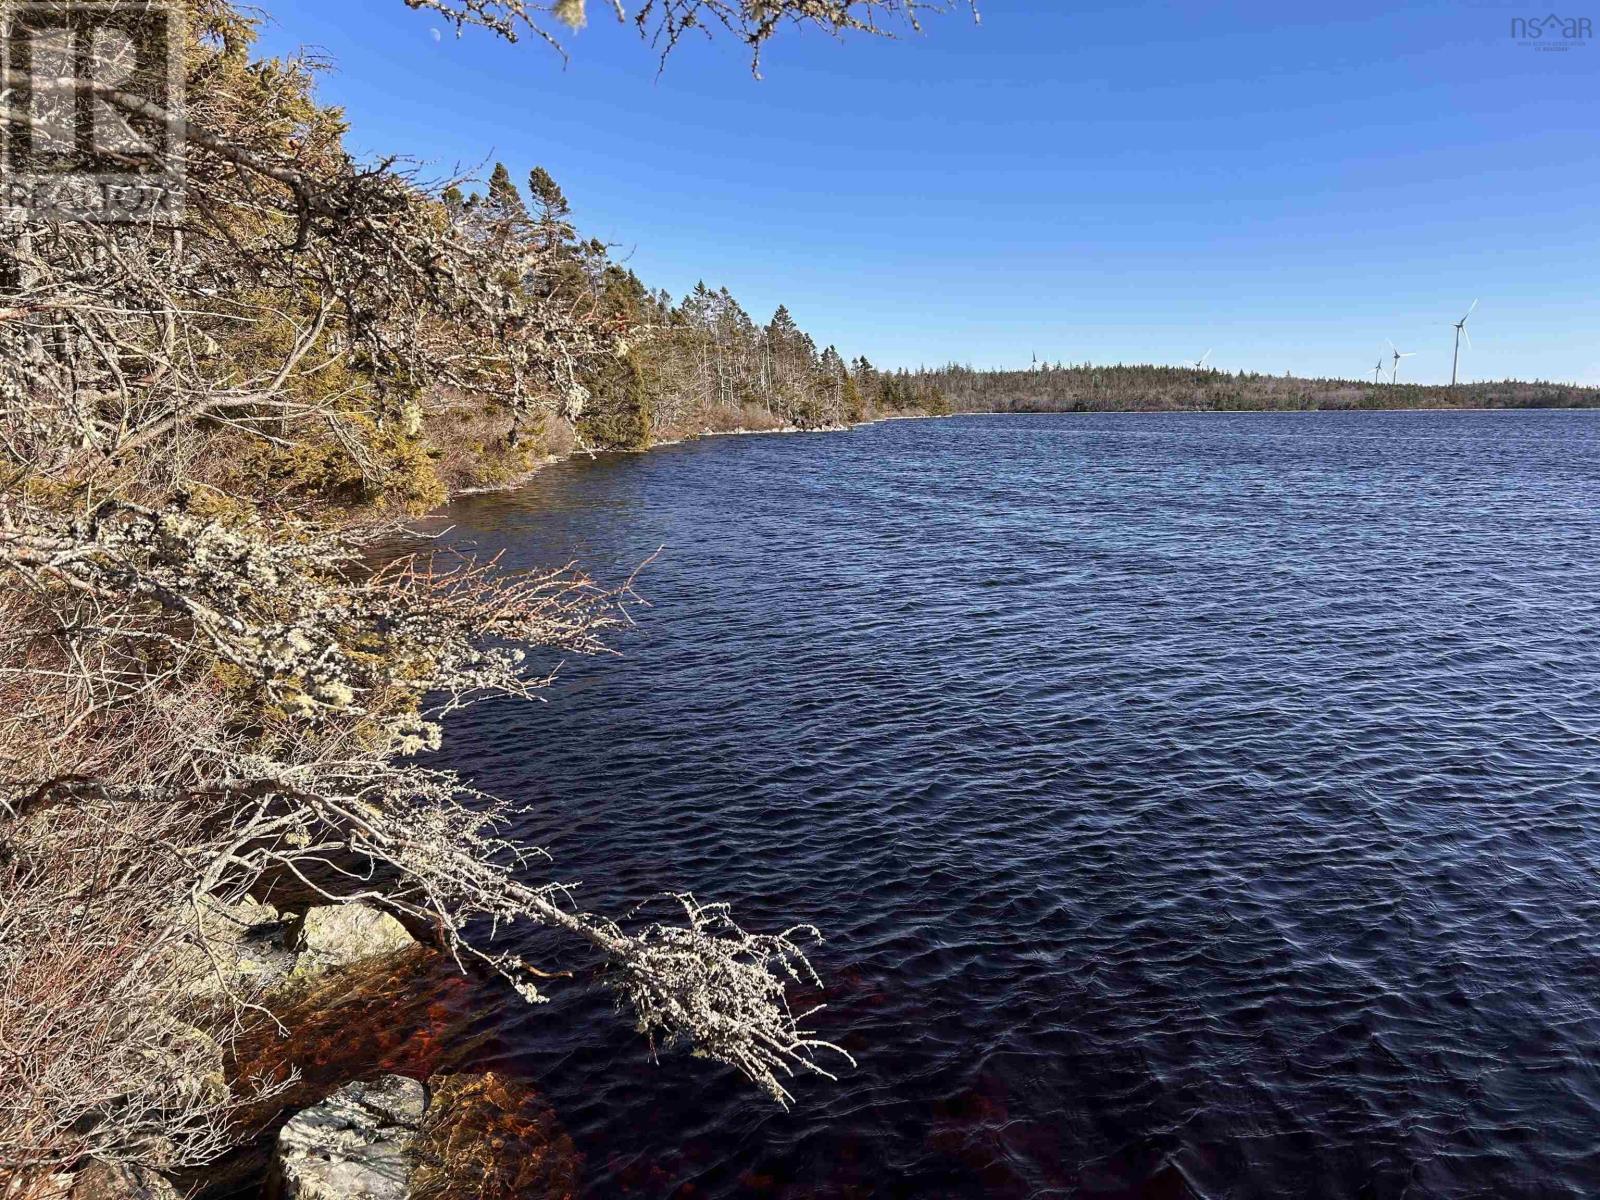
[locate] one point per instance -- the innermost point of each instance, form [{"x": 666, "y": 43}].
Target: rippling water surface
[{"x": 1195, "y": 805}]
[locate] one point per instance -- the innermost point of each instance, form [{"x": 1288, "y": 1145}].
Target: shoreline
[
  {"x": 551, "y": 460},
  {"x": 578, "y": 451}
]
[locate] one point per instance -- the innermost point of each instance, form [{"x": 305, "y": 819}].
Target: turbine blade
[
  {"x": 1470, "y": 310},
  {"x": 1466, "y": 335}
]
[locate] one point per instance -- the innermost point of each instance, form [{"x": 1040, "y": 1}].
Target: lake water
[{"x": 1195, "y": 805}]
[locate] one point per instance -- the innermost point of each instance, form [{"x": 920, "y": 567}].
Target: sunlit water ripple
[{"x": 1194, "y": 805}]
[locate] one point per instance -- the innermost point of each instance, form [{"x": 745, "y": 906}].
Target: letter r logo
[{"x": 92, "y": 93}]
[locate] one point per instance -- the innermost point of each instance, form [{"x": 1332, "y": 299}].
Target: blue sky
[{"x": 1287, "y": 184}]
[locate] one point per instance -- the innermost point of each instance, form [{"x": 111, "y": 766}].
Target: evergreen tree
[
  {"x": 624, "y": 299},
  {"x": 504, "y": 206},
  {"x": 865, "y": 377},
  {"x": 617, "y": 416},
  {"x": 855, "y": 406},
  {"x": 698, "y": 306},
  {"x": 547, "y": 195},
  {"x": 553, "y": 215},
  {"x": 782, "y": 328}
]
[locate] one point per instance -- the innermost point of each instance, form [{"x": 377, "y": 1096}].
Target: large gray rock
[
  {"x": 340, "y": 934},
  {"x": 355, "y": 1145},
  {"x": 240, "y": 949}
]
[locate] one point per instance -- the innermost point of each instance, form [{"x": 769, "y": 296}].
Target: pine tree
[
  {"x": 547, "y": 195},
  {"x": 782, "y": 327},
  {"x": 504, "y": 205},
  {"x": 553, "y": 214}
]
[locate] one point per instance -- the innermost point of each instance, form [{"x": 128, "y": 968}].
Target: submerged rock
[
  {"x": 355, "y": 1145},
  {"x": 490, "y": 1137},
  {"x": 340, "y": 934},
  {"x": 466, "y": 1137}
]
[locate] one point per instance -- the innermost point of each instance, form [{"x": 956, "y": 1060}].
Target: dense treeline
[
  {"x": 708, "y": 362},
  {"x": 1089, "y": 388},
  {"x": 700, "y": 364}
]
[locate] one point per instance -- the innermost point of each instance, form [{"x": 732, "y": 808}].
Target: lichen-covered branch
[{"x": 665, "y": 22}]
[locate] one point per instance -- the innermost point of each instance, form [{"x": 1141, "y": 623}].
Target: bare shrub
[
  {"x": 99, "y": 1055},
  {"x": 728, "y": 418}
]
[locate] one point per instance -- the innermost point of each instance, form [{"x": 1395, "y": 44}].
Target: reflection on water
[{"x": 1196, "y": 806}]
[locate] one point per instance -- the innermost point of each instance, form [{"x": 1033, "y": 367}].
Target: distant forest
[{"x": 1086, "y": 388}]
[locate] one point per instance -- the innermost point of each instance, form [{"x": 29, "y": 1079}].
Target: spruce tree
[
  {"x": 552, "y": 215},
  {"x": 855, "y": 408},
  {"x": 504, "y": 205},
  {"x": 617, "y": 416},
  {"x": 547, "y": 195},
  {"x": 782, "y": 327}
]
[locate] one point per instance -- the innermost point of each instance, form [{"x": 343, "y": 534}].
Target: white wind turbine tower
[
  {"x": 1199, "y": 363},
  {"x": 1395, "y": 373},
  {"x": 1461, "y": 332}
]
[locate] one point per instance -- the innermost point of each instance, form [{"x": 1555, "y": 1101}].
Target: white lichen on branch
[{"x": 666, "y": 22}]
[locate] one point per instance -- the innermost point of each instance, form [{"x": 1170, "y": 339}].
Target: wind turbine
[
  {"x": 1377, "y": 371},
  {"x": 1395, "y": 373},
  {"x": 1199, "y": 363},
  {"x": 1461, "y": 332}
]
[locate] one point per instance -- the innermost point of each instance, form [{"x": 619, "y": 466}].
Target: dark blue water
[{"x": 1195, "y": 805}]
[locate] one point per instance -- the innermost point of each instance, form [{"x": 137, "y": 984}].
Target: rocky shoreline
[
  {"x": 279, "y": 1014},
  {"x": 681, "y": 439},
  {"x": 358, "y": 1057}
]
